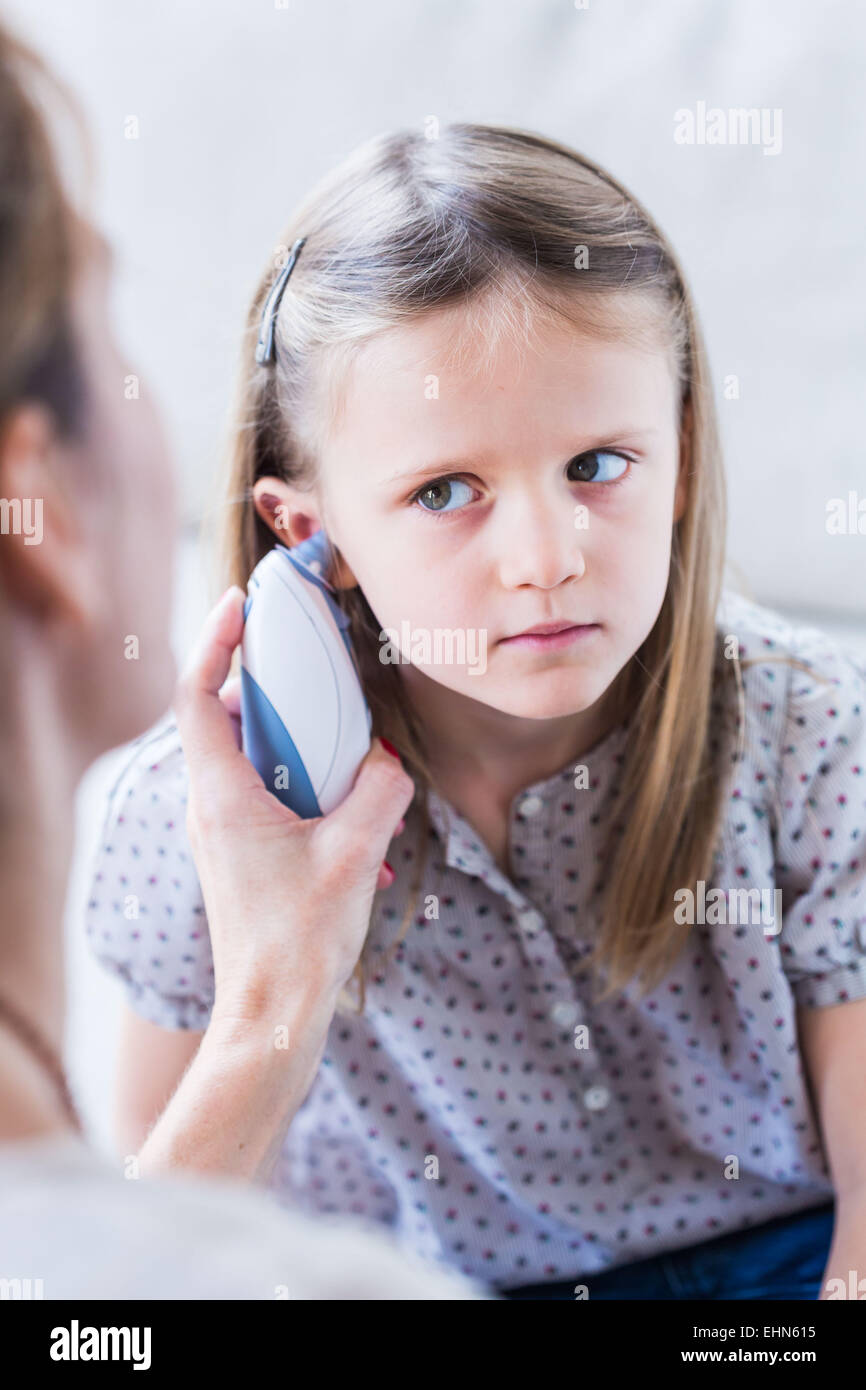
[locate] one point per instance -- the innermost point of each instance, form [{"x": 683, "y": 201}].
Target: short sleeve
[
  {"x": 821, "y": 865},
  {"x": 144, "y": 918}
]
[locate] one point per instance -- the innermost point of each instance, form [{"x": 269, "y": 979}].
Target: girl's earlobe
[{"x": 341, "y": 576}]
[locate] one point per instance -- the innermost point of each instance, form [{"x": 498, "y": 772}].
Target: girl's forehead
[
  {"x": 404, "y": 416},
  {"x": 440, "y": 360},
  {"x": 473, "y": 370},
  {"x": 487, "y": 332}
]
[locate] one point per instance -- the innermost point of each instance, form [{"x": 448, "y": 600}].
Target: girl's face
[{"x": 541, "y": 488}]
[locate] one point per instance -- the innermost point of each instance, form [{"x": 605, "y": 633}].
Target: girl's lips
[{"x": 552, "y": 640}]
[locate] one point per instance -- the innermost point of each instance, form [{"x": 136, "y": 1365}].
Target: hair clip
[{"x": 265, "y": 345}]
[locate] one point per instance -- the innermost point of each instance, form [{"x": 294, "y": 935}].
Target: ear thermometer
[{"x": 305, "y": 723}]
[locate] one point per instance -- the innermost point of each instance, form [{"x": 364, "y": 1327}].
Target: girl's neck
[{"x": 470, "y": 743}]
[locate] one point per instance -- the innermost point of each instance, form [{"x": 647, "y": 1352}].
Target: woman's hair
[
  {"x": 519, "y": 226},
  {"x": 38, "y": 356}
]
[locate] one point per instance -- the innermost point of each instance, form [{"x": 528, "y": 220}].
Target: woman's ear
[
  {"x": 46, "y": 564},
  {"x": 293, "y": 515}
]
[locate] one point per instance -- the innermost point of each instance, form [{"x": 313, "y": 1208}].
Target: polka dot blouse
[{"x": 466, "y": 1109}]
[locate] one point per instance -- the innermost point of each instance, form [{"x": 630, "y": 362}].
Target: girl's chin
[{"x": 535, "y": 702}]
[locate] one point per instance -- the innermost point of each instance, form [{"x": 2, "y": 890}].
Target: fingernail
[
  {"x": 401, "y": 826},
  {"x": 390, "y": 871},
  {"x": 389, "y": 747}
]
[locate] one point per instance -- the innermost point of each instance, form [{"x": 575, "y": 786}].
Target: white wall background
[{"x": 242, "y": 104}]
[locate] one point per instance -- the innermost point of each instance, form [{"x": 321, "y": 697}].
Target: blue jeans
[{"x": 784, "y": 1258}]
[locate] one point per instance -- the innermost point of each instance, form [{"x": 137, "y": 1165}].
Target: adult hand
[{"x": 288, "y": 900}]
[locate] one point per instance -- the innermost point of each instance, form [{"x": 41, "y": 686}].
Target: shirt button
[
  {"x": 530, "y": 921},
  {"x": 530, "y": 806},
  {"x": 596, "y": 1098},
  {"x": 564, "y": 1013}
]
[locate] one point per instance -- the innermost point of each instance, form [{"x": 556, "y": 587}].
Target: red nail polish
[
  {"x": 389, "y": 747},
  {"x": 390, "y": 870}
]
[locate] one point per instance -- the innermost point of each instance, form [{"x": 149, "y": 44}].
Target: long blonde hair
[{"x": 501, "y": 216}]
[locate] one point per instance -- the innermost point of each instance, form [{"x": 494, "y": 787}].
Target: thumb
[{"x": 381, "y": 795}]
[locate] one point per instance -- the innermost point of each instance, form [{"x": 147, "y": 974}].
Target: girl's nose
[{"x": 542, "y": 546}]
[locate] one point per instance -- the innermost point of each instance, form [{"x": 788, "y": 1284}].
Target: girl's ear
[
  {"x": 293, "y": 515},
  {"x": 685, "y": 459}
]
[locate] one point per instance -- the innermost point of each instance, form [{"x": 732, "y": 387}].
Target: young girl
[{"x": 626, "y": 910}]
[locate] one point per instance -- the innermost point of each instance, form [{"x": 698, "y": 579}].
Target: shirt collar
[{"x": 464, "y": 848}]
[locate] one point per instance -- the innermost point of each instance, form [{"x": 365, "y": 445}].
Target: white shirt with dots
[{"x": 483, "y": 1107}]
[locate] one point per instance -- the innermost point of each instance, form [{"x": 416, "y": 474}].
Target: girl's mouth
[{"x": 551, "y": 641}]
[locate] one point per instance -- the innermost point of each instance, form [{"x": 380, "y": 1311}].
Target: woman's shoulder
[{"x": 90, "y": 1230}]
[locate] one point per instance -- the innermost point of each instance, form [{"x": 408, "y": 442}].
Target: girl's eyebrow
[
  {"x": 458, "y": 465},
  {"x": 426, "y": 469}
]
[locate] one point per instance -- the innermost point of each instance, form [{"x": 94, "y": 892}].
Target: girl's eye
[
  {"x": 594, "y": 466},
  {"x": 588, "y": 469},
  {"x": 439, "y": 493}
]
